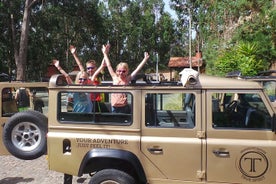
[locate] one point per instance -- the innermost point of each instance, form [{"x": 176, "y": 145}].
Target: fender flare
[{"x": 123, "y": 155}]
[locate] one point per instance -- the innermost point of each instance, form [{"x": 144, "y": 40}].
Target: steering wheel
[{"x": 232, "y": 106}]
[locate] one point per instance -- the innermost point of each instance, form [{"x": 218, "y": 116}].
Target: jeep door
[
  {"x": 171, "y": 135},
  {"x": 240, "y": 144}
]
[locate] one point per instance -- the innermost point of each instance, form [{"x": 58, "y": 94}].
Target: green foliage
[
  {"x": 138, "y": 26},
  {"x": 225, "y": 63},
  {"x": 131, "y": 27},
  {"x": 242, "y": 57},
  {"x": 211, "y": 53},
  {"x": 173, "y": 102},
  {"x": 233, "y": 35},
  {"x": 224, "y": 24}
]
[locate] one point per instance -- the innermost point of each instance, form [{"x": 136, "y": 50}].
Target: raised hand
[
  {"x": 146, "y": 55},
  {"x": 56, "y": 62},
  {"x": 72, "y": 49},
  {"x": 105, "y": 48}
]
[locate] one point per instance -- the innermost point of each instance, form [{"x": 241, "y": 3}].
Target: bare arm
[
  {"x": 139, "y": 67},
  {"x": 105, "y": 50},
  {"x": 29, "y": 92},
  {"x": 16, "y": 94},
  {"x": 67, "y": 77},
  {"x": 73, "y": 51},
  {"x": 98, "y": 70}
]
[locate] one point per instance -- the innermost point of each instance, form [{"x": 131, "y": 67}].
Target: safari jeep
[{"x": 200, "y": 130}]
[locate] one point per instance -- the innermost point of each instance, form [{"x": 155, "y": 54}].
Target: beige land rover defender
[{"x": 201, "y": 130}]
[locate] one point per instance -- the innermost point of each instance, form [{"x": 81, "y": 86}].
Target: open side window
[
  {"x": 170, "y": 110},
  {"x": 240, "y": 110},
  {"x": 33, "y": 98},
  {"x": 93, "y": 108}
]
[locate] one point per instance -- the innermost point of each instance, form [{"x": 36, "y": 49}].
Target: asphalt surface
[{"x": 16, "y": 171}]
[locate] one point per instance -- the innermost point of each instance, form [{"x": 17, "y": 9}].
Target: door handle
[
  {"x": 221, "y": 153},
  {"x": 155, "y": 150}
]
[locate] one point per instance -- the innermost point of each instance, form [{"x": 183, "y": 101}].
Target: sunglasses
[
  {"x": 82, "y": 79},
  {"x": 90, "y": 68},
  {"x": 123, "y": 71}
]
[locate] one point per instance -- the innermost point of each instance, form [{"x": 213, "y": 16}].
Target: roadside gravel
[{"x": 16, "y": 171}]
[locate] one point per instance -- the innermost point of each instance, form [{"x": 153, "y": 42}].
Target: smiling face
[
  {"x": 91, "y": 67},
  {"x": 81, "y": 78},
  {"x": 122, "y": 70}
]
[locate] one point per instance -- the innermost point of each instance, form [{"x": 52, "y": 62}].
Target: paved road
[{"x": 16, "y": 171}]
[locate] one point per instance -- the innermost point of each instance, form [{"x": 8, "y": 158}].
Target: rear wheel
[
  {"x": 24, "y": 135},
  {"x": 111, "y": 176}
]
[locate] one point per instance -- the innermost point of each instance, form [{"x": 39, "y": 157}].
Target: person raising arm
[
  {"x": 67, "y": 77},
  {"x": 91, "y": 67},
  {"x": 81, "y": 101},
  {"x": 120, "y": 76}
]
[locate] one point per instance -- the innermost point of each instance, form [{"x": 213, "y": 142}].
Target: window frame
[
  {"x": 94, "y": 118},
  {"x": 173, "y": 115},
  {"x": 262, "y": 97}
]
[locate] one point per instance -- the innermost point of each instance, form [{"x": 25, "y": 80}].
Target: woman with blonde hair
[
  {"x": 121, "y": 77},
  {"x": 81, "y": 101}
]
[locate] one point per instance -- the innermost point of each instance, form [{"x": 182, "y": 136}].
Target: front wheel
[{"x": 111, "y": 176}]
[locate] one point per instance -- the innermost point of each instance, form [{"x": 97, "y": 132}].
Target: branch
[{"x": 31, "y": 3}]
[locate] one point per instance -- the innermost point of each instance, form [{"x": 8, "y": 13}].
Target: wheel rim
[
  {"x": 109, "y": 182},
  {"x": 26, "y": 136}
]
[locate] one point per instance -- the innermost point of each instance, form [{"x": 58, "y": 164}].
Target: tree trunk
[
  {"x": 22, "y": 56},
  {"x": 15, "y": 46}
]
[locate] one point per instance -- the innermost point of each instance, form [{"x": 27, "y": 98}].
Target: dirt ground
[{"x": 16, "y": 171}]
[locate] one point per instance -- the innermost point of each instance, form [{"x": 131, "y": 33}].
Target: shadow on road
[{"x": 15, "y": 180}]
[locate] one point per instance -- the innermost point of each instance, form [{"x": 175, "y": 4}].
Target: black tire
[
  {"x": 24, "y": 135},
  {"x": 111, "y": 176}
]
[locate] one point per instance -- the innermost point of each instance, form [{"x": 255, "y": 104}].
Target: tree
[
  {"x": 58, "y": 25},
  {"x": 243, "y": 57},
  {"x": 52, "y": 26},
  {"x": 131, "y": 27},
  {"x": 226, "y": 25},
  {"x": 138, "y": 26},
  {"x": 20, "y": 53}
]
